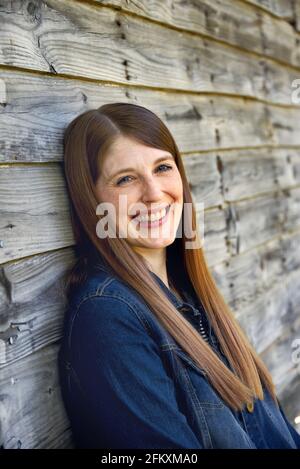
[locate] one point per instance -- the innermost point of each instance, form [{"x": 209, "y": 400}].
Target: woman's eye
[
  {"x": 123, "y": 179},
  {"x": 161, "y": 168},
  {"x": 166, "y": 166}
]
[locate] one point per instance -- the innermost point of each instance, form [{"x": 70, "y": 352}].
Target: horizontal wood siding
[{"x": 220, "y": 76}]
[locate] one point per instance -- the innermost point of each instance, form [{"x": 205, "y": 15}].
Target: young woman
[{"x": 151, "y": 355}]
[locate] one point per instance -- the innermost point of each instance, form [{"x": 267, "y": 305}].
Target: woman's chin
[{"x": 150, "y": 243}]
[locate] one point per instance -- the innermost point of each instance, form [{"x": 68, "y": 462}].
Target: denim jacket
[{"x": 126, "y": 383}]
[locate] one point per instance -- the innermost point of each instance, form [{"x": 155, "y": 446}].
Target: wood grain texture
[
  {"x": 34, "y": 211},
  {"x": 283, "y": 9},
  {"x": 69, "y": 38},
  {"x": 33, "y": 307},
  {"x": 238, "y": 23},
  {"x": 219, "y": 74},
  {"x": 198, "y": 122},
  {"x": 38, "y": 422}
]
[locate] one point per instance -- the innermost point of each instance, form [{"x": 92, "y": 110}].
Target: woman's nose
[{"x": 151, "y": 189}]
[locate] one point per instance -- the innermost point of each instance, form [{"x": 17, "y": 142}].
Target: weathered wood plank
[
  {"x": 281, "y": 127},
  {"x": 244, "y": 277},
  {"x": 246, "y": 173},
  {"x": 294, "y": 160},
  {"x": 204, "y": 181},
  {"x": 289, "y": 399},
  {"x": 292, "y": 214},
  {"x": 236, "y": 278},
  {"x": 266, "y": 317},
  {"x": 29, "y": 278},
  {"x": 280, "y": 40},
  {"x": 32, "y": 313},
  {"x": 254, "y": 221},
  {"x": 236, "y": 23},
  {"x": 212, "y": 223},
  {"x": 282, "y": 8},
  {"x": 292, "y": 282},
  {"x": 242, "y": 173},
  {"x": 34, "y": 211},
  {"x": 257, "y": 220},
  {"x": 286, "y": 163},
  {"x": 32, "y": 414},
  {"x": 197, "y": 122},
  {"x": 291, "y": 252},
  {"x": 249, "y": 172},
  {"x": 67, "y": 38},
  {"x": 278, "y": 358},
  {"x": 297, "y": 24},
  {"x": 265, "y": 320},
  {"x": 263, "y": 295},
  {"x": 204, "y": 178}
]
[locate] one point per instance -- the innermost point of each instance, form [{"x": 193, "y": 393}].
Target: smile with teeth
[{"x": 153, "y": 218}]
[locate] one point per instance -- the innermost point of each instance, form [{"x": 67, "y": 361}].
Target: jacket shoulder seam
[{"x": 100, "y": 293}]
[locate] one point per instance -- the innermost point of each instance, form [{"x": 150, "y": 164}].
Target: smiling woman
[
  {"x": 149, "y": 188},
  {"x": 141, "y": 366}
]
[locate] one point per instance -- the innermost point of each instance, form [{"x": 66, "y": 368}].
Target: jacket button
[{"x": 250, "y": 406}]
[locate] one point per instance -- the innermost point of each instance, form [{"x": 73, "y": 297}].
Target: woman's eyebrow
[{"x": 125, "y": 170}]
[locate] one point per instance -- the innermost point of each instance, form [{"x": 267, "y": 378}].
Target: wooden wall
[{"x": 220, "y": 76}]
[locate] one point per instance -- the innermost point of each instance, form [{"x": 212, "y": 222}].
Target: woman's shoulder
[
  {"x": 104, "y": 291},
  {"x": 119, "y": 303},
  {"x": 99, "y": 283}
]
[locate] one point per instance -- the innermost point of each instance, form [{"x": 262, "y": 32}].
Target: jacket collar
[{"x": 178, "y": 303}]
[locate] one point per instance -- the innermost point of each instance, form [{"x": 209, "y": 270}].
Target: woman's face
[{"x": 142, "y": 183}]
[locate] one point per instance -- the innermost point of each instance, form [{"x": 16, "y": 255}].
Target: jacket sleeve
[{"x": 119, "y": 366}]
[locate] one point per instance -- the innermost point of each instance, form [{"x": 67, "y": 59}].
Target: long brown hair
[{"x": 86, "y": 139}]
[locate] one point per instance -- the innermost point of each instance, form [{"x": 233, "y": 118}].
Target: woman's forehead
[{"x": 128, "y": 155}]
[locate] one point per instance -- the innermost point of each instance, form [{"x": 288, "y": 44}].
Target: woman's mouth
[{"x": 153, "y": 220}]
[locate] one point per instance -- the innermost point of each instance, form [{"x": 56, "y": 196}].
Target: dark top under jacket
[{"x": 126, "y": 383}]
